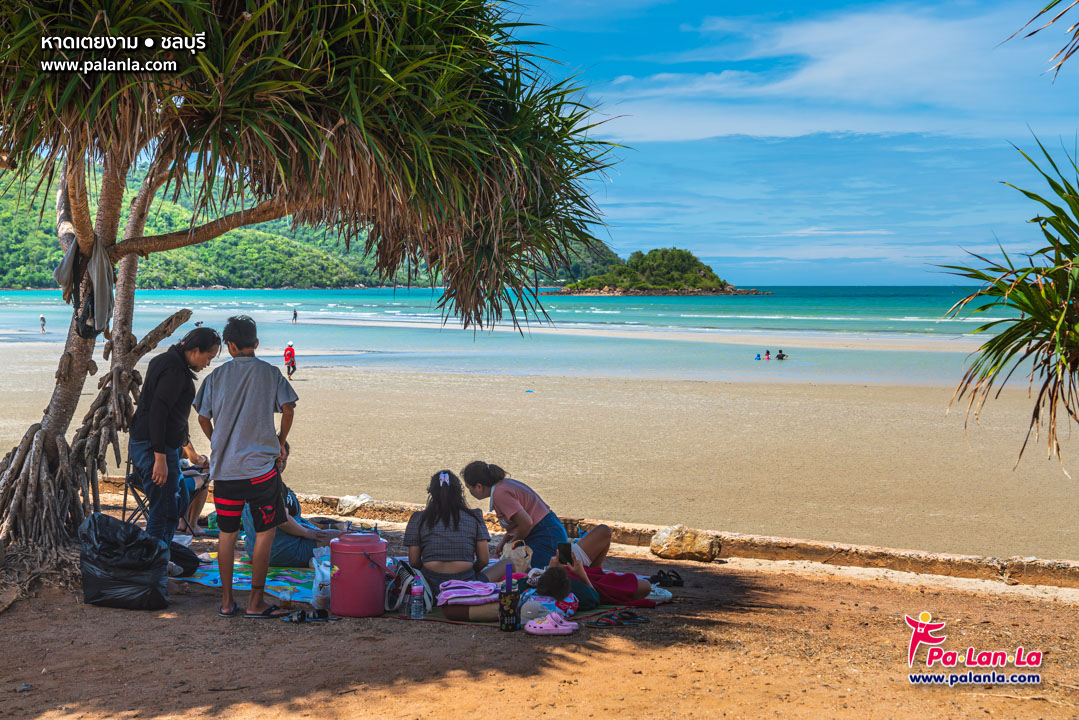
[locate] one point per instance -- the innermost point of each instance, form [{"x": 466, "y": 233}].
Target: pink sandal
[
  {"x": 562, "y": 621},
  {"x": 546, "y": 626}
]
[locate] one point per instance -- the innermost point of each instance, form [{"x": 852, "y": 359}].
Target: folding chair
[{"x": 133, "y": 487}]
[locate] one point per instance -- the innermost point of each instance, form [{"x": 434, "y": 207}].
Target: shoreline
[{"x": 865, "y": 465}]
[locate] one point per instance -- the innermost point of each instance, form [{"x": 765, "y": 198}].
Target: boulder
[
  {"x": 682, "y": 543},
  {"x": 349, "y": 504}
]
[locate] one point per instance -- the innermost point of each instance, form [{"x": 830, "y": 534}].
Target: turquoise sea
[{"x": 695, "y": 338}]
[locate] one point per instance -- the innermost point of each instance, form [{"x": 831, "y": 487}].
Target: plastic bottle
[{"x": 416, "y": 606}]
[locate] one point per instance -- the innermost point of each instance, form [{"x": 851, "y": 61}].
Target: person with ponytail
[
  {"x": 159, "y": 426},
  {"x": 522, "y": 512},
  {"x": 447, "y": 540}
]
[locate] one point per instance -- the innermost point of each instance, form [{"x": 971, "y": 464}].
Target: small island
[{"x": 663, "y": 271}]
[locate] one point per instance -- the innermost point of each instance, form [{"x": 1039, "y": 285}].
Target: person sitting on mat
[
  {"x": 520, "y": 511},
  {"x": 194, "y": 487},
  {"x": 586, "y": 570},
  {"x": 447, "y": 540},
  {"x": 295, "y": 541}
]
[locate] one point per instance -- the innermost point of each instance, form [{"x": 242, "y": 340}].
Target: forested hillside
[{"x": 262, "y": 256}]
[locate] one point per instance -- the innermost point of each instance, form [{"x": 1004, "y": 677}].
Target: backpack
[{"x": 399, "y": 589}]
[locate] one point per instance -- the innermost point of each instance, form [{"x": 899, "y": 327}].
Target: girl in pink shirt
[{"x": 523, "y": 513}]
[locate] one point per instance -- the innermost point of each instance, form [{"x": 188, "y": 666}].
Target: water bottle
[{"x": 416, "y": 608}]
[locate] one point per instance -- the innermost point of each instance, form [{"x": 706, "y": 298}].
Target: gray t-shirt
[{"x": 241, "y": 398}]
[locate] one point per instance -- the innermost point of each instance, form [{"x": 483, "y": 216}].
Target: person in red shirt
[{"x": 290, "y": 360}]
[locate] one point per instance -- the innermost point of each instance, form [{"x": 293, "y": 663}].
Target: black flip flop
[
  {"x": 231, "y": 613},
  {"x": 321, "y": 615},
  {"x": 609, "y": 620},
  {"x": 667, "y": 578},
  {"x": 270, "y": 613},
  {"x": 300, "y": 616},
  {"x": 631, "y": 617}
]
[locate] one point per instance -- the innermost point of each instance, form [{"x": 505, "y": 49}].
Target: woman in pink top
[{"x": 520, "y": 511}]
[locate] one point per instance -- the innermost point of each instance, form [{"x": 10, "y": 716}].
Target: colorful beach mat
[
  {"x": 297, "y": 581},
  {"x": 436, "y": 616}
]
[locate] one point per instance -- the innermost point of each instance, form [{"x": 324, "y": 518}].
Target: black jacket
[{"x": 165, "y": 402}]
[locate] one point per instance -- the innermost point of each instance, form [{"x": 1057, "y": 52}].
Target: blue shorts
[{"x": 544, "y": 539}]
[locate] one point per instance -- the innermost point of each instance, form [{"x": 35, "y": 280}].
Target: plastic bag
[
  {"x": 321, "y": 586},
  {"x": 122, "y": 566},
  {"x": 185, "y": 557},
  {"x": 520, "y": 555}
]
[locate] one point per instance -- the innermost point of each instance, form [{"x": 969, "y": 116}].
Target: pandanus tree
[
  {"x": 424, "y": 132},
  {"x": 1038, "y": 294}
]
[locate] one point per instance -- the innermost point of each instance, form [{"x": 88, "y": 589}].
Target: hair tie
[{"x": 443, "y": 478}]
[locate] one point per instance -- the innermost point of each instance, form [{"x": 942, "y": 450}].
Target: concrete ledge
[{"x": 1013, "y": 571}]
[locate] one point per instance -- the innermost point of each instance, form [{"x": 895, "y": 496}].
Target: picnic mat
[
  {"x": 298, "y": 581},
  {"x": 436, "y": 616}
]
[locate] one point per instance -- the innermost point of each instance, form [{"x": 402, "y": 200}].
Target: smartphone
[{"x": 565, "y": 555}]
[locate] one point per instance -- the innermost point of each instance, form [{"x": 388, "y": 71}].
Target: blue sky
[{"x": 817, "y": 142}]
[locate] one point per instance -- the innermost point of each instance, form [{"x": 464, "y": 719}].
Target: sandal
[
  {"x": 667, "y": 578},
  {"x": 631, "y": 617},
  {"x": 609, "y": 620},
  {"x": 231, "y": 613},
  {"x": 300, "y": 616},
  {"x": 559, "y": 619},
  {"x": 273, "y": 612},
  {"x": 546, "y": 626},
  {"x": 321, "y": 615}
]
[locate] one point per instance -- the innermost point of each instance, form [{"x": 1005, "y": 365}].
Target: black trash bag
[
  {"x": 122, "y": 566},
  {"x": 185, "y": 557}
]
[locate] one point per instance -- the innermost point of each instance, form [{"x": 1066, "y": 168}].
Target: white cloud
[
  {"x": 875, "y": 71},
  {"x": 818, "y": 231}
]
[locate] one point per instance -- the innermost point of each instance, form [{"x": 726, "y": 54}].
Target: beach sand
[
  {"x": 877, "y": 465},
  {"x": 742, "y": 639}
]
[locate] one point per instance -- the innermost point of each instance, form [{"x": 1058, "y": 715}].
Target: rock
[
  {"x": 682, "y": 543},
  {"x": 349, "y": 504}
]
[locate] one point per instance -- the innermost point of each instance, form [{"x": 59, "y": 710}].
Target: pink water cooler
[{"x": 358, "y": 582}]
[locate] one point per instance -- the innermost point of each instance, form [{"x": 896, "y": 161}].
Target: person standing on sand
[
  {"x": 290, "y": 360},
  {"x": 159, "y": 426},
  {"x": 236, "y": 406}
]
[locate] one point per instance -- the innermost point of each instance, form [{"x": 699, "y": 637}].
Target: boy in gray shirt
[{"x": 236, "y": 406}]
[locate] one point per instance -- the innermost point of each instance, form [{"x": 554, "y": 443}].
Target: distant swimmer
[
  {"x": 290, "y": 360},
  {"x": 42, "y": 319},
  {"x": 781, "y": 355},
  {"x": 758, "y": 357},
  {"x": 294, "y": 316},
  {"x": 767, "y": 354},
  {"x": 198, "y": 323}
]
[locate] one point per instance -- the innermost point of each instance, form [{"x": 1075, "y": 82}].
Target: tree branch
[
  {"x": 140, "y": 205},
  {"x": 110, "y": 199},
  {"x": 65, "y": 229},
  {"x": 269, "y": 210},
  {"x": 80, "y": 206}
]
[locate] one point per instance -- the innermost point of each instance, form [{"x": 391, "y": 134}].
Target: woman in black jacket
[{"x": 159, "y": 428}]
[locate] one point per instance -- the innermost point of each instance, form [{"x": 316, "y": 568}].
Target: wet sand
[{"x": 863, "y": 464}]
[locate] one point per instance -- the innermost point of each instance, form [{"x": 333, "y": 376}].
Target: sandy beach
[{"x": 852, "y": 463}]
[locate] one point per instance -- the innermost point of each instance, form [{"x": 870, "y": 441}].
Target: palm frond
[
  {"x": 1040, "y": 294},
  {"x": 425, "y": 130}
]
